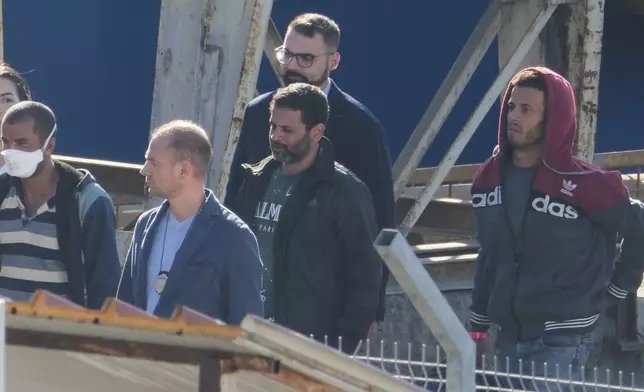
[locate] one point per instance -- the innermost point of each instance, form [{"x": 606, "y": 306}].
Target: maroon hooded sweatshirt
[{"x": 553, "y": 276}]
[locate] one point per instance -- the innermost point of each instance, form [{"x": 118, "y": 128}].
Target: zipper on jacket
[
  {"x": 516, "y": 260},
  {"x": 304, "y": 191},
  {"x": 514, "y": 238}
]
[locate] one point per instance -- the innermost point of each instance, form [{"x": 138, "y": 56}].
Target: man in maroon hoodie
[{"x": 548, "y": 225}]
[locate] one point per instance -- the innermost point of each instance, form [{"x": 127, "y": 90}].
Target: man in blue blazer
[
  {"x": 191, "y": 250},
  {"x": 309, "y": 54}
]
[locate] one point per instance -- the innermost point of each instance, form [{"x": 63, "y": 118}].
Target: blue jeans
[{"x": 568, "y": 353}]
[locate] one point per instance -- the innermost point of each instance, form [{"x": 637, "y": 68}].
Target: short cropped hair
[
  {"x": 309, "y": 100},
  {"x": 529, "y": 78},
  {"x": 7, "y": 72},
  {"x": 310, "y": 24},
  {"x": 43, "y": 117},
  {"x": 189, "y": 142}
]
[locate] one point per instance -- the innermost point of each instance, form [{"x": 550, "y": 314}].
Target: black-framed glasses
[{"x": 304, "y": 60}]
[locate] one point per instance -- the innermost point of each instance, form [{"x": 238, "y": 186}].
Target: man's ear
[
  {"x": 317, "y": 132},
  {"x": 185, "y": 169},
  {"x": 335, "y": 61},
  {"x": 49, "y": 148}
]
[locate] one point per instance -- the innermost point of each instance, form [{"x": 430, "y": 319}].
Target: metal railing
[
  {"x": 126, "y": 185},
  {"x": 630, "y": 163},
  {"x": 425, "y": 367},
  {"x": 419, "y": 286}
]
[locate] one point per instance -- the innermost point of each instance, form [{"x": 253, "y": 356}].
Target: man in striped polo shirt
[{"x": 57, "y": 225}]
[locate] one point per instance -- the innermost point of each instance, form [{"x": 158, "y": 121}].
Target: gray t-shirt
[
  {"x": 267, "y": 215},
  {"x": 517, "y": 188}
]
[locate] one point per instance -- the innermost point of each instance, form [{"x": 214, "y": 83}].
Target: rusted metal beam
[
  {"x": 208, "y": 58},
  {"x": 464, "y": 173},
  {"x": 273, "y": 41},
  {"x": 516, "y": 17},
  {"x": 110, "y": 347},
  {"x": 443, "y": 102},
  {"x": 247, "y": 362},
  {"x": 240, "y": 84},
  {"x": 427, "y": 194},
  {"x": 585, "y": 31},
  {"x": 124, "y": 180},
  {"x": 620, "y": 159},
  {"x": 453, "y": 216},
  {"x": 121, "y": 330},
  {"x": 116, "y": 313},
  {"x": 460, "y": 173}
]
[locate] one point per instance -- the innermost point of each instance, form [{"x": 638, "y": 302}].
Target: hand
[
  {"x": 609, "y": 308},
  {"x": 481, "y": 350},
  {"x": 609, "y": 303}
]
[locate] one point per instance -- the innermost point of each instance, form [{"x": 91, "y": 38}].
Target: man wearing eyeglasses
[{"x": 309, "y": 54}]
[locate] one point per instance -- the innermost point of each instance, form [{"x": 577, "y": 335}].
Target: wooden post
[{"x": 208, "y": 58}]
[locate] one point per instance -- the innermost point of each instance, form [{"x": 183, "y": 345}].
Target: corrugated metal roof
[
  {"x": 123, "y": 348},
  {"x": 121, "y": 314},
  {"x": 117, "y": 348},
  {"x": 31, "y": 369}
]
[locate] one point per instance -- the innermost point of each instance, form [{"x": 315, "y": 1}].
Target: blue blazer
[{"x": 217, "y": 270}]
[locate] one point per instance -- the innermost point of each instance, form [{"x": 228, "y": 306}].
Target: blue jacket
[
  {"x": 359, "y": 143},
  {"x": 217, "y": 270},
  {"x": 86, "y": 229}
]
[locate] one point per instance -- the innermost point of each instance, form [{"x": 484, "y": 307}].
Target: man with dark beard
[
  {"x": 315, "y": 225},
  {"x": 309, "y": 54},
  {"x": 548, "y": 224}
]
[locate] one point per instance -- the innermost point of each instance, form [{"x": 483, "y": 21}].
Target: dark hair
[
  {"x": 529, "y": 78},
  {"x": 189, "y": 142},
  {"x": 309, "y": 100},
  {"x": 310, "y": 24},
  {"x": 43, "y": 117},
  {"x": 24, "y": 93}
]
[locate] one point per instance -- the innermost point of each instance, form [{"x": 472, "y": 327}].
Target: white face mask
[{"x": 23, "y": 164}]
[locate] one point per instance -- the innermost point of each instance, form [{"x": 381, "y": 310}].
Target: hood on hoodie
[{"x": 560, "y": 125}]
